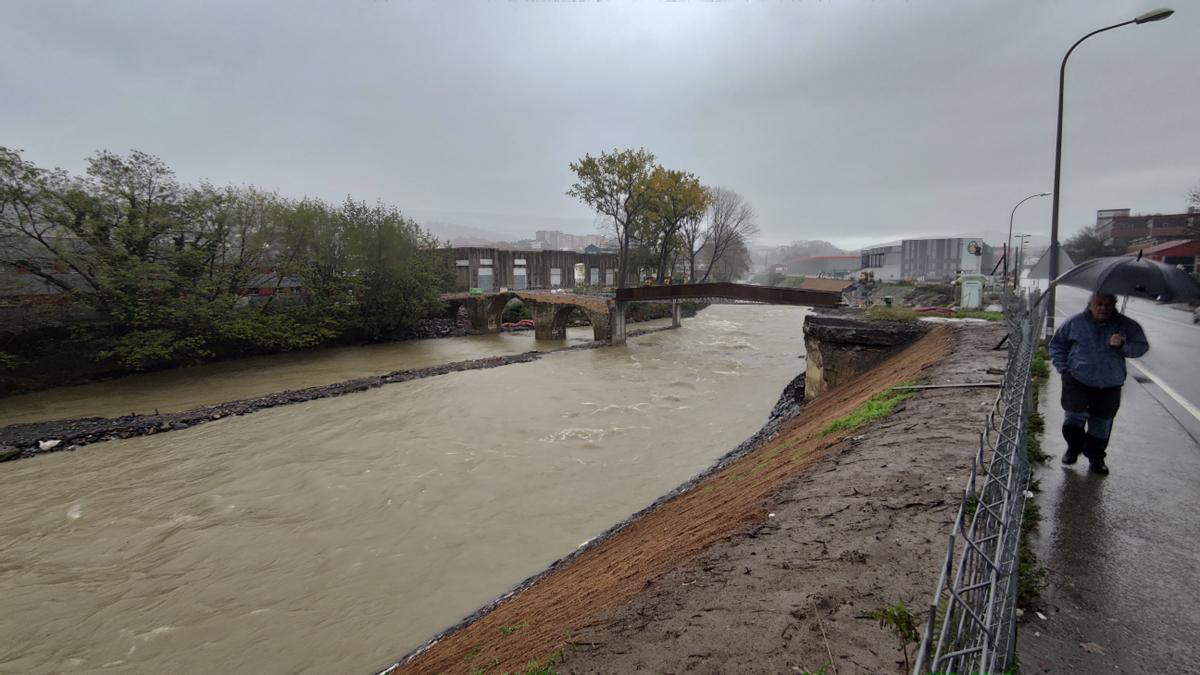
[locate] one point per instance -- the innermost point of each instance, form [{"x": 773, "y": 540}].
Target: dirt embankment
[
  {"x": 18, "y": 441},
  {"x": 710, "y": 581}
]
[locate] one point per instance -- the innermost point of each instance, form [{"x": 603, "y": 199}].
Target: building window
[
  {"x": 486, "y": 282},
  {"x": 555, "y": 277},
  {"x": 595, "y": 276},
  {"x": 520, "y": 279},
  {"x": 610, "y": 277}
]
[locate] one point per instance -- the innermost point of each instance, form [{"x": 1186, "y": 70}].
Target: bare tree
[
  {"x": 730, "y": 223},
  {"x": 1194, "y": 206}
]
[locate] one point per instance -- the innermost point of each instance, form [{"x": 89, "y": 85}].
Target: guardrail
[{"x": 972, "y": 618}]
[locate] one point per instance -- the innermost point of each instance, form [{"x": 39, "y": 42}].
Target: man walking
[{"x": 1089, "y": 352}]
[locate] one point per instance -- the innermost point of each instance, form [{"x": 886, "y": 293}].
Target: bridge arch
[{"x": 550, "y": 311}]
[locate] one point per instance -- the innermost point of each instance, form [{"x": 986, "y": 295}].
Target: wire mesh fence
[{"x": 972, "y": 618}]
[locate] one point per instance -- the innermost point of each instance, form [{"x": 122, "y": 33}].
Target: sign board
[{"x": 970, "y": 256}]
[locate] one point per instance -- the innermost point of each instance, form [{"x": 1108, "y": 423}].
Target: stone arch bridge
[{"x": 551, "y": 310}]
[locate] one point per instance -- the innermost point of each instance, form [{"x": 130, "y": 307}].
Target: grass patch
[
  {"x": 1031, "y": 576},
  {"x": 883, "y": 313},
  {"x": 547, "y": 668},
  {"x": 903, "y": 625},
  {"x": 1040, "y": 370},
  {"x": 972, "y": 505},
  {"x": 978, "y": 314},
  {"x": 880, "y": 405},
  {"x": 509, "y": 630}
]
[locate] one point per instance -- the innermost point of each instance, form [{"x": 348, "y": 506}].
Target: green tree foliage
[
  {"x": 677, "y": 199},
  {"x": 617, "y": 185},
  {"x": 664, "y": 217},
  {"x": 165, "y": 265},
  {"x": 1087, "y": 244}
]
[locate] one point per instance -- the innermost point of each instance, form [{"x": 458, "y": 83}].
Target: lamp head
[
  {"x": 1154, "y": 15},
  {"x": 1045, "y": 194}
]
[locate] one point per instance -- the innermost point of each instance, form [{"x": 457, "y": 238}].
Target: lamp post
[
  {"x": 1008, "y": 242},
  {"x": 1153, "y": 15},
  {"x": 1020, "y": 257}
]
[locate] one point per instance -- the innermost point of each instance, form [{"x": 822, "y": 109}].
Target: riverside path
[{"x": 1120, "y": 551}]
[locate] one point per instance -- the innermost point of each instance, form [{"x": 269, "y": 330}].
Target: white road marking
[
  {"x": 1159, "y": 318},
  {"x": 1183, "y": 402}
]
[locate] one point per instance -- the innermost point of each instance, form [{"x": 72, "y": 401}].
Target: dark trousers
[{"x": 1088, "y": 417}]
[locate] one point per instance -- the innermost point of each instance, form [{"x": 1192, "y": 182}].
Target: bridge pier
[
  {"x": 549, "y": 321},
  {"x": 676, "y": 314},
  {"x": 616, "y": 322},
  {"x": 483, "y": 317},
  {"x": 601, "y": 324}
]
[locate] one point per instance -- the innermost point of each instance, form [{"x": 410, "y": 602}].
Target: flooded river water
[
  {"x": 186, "y": 388},
  {"x": 334, "y": 535}
]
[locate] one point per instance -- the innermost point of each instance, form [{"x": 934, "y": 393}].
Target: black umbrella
[{"x": 1127, "y": 275}]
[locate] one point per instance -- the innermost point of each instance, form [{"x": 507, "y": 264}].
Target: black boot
[
  {"x": 1095, "y": 452},
  {"x": 1076, "y": 439}
]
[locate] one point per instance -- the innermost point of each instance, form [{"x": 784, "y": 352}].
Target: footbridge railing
[
  {"x": 972, "y": 618},
  {"x": 717, "y": 291}
]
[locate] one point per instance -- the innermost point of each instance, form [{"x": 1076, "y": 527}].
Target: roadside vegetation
[
  {"x": 880, "y": 405},
  {"x": 979, "y": 314},
  {"x": 902, "y": 624},
  {"x": 171, "y": 274},
  {"x": 884, "y": 313},
  {"x": 1031, "y": 576}
]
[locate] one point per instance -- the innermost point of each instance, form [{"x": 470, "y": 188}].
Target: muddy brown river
[{"x": 335, "y": 535}]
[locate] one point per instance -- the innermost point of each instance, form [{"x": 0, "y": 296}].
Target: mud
[
  {"x": 739, "y": 571},
  {"x": 27, "y": 440},
  {"x": 861, "y": 529}
]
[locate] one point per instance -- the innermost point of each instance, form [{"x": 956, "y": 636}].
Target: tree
[
  {"x": 617, "y": 185},
  {"x": 730, "y": 225},
  {"x": 165, "y": 266},
  {"x": 1194, "y": 207},
  {"x": 735, "y": 263},
  {"x": 1087, "y": 244},
  {"x": 677, "y": 200},
  {"x": 397, "y": 276}
]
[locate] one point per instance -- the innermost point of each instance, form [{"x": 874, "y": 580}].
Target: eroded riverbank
[{"x": 771, "y": 562}]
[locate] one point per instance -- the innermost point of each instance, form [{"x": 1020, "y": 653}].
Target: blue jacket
[{"x": 1080, "y": 347}]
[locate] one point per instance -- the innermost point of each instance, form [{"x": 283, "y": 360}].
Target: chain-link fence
[{"x": 972, "y": 619}]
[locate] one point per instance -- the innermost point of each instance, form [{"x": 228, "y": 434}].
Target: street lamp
[
  {"x": 1020, "y": 257},
  {"x": 1153, "y": 15},
  {"x": 1008, "y": 242}
]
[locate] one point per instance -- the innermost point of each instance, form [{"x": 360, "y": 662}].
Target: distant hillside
[
  {"x": 812, "y": 248},
  {"x": 462, "y": 235}
]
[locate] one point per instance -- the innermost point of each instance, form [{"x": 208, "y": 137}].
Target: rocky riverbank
[{"x": 26, "y": 440}]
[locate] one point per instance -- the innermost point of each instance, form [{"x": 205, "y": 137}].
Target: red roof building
[{"x": 1182, "y": 252}]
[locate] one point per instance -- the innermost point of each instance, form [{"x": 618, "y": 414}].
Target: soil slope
[{"x": 534, "y": 626}]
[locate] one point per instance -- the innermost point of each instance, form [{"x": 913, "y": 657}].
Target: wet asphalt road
[{"x": 1123, "y": 551}]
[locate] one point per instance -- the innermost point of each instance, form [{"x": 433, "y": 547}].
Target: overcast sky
[{"x": 849, "y": 121}]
